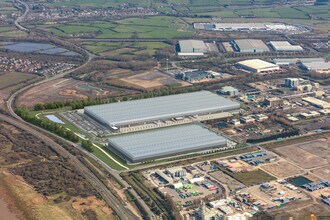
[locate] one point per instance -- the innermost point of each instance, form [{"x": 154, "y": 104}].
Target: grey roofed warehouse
[
  {"x": 164, "y": 107},
  {"x": 250, "y": 45},
  {"x": 164, "y": 142},
  {"x": 192, "y": 46}
]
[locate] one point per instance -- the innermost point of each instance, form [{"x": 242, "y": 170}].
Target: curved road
[{"x": 21, "y": 18}]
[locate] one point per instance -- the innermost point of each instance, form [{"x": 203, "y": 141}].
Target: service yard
[{"x": 272, "y": 193}]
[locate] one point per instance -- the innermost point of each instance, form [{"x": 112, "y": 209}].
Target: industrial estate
[{"x": 164, "y": 110}]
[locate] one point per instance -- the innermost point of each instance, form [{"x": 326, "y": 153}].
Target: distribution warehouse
[
  {"x": 192, "y": 47},
  {"x": 162, "y": 111},
  {"x": 285, "y": 46},
  {"x": 165, "y": 142},
  {"x": 257, "y": 65},
  {"x": 250, "y": 46}
]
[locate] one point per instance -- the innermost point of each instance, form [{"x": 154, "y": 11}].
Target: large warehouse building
[
  {"x": 192, "y": 47},
  {"x": 285, "y": 46},
  {"x": 162, "y": 111},
  {"x": 250, "y": 46},
  {"x": 165, "y": 142},
  {"x": 257, "y": 65}
]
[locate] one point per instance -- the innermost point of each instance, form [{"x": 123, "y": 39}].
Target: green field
[
  {"x": 13, "y": 78},
  {"x": 305, "y": 12},
  {"x": 119, "y": 48},
  {"x": 252, "y": 177},
  {"x": 148, "y": 27}
]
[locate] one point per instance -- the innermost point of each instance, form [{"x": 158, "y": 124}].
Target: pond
[
  {"x": 55, "y": 119},
  {"x": 300, "y": 180}
]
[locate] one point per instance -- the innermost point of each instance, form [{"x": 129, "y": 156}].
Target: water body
[
  {"x": 55, "y": 119},
  {"x": 300, "y": 180},
  {"x": 5, "y": 213},
  {"x": 28, "y": 47}
]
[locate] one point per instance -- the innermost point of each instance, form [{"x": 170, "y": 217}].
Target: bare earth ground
[
  {"x": 22, "y": 198},
  {"x": 307, "y": 155},
  {"x": 152, "y": 79},
  {"x": 24, "y": 201},
  {"x": 322, "y": 173},
  {"x": 227, "y": 180},
  {"x": 282, "y": 169},
  {"x": 61, "y": 90}
]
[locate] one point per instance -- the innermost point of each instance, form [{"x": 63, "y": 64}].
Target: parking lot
[{"x": 85, "y": 124}]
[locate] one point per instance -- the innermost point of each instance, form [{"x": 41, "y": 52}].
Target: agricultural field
[
  {"x": 98, "y": 3},
  {"x": 13, "y": 78},
  {"x": 148, "y": 27},
  {"x": 12, "y": 81},
  {"x": 303, "y": 12},
  {"x": 131, "y": 48},
  {"x": 7, "y": 31}
]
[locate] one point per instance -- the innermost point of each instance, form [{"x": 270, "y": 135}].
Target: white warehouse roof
[
  {"x": 165, "y": 142},
  {"x": 285, "y": 46},
  {"x": 164, "y": 107},
  {"x": 257, "y": 65}
]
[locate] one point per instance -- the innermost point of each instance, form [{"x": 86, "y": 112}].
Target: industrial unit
[
  {"x": 285, "y": 46},
  {"x": 229, "y": 90},
  {"x": 257, "y": 65},
  {"x": 250, "y": 46},
  {"x": 317, "y": 102},
  {"x": 267, "y": 26},
  {"x": 192, "y": 47},
  {"x": 165, "y": 142},
  {"x": 316, "y": 66},
  {"x": 285, "y": 61},
  {"x": 292, "y": 82},
  {"x": 162, "y": 111},
  {"x": 198, "y": 75}
]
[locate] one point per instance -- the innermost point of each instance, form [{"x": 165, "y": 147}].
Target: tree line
[
  {"x": 79, "y": 104},
  {"x": 25, "y": 114}
]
